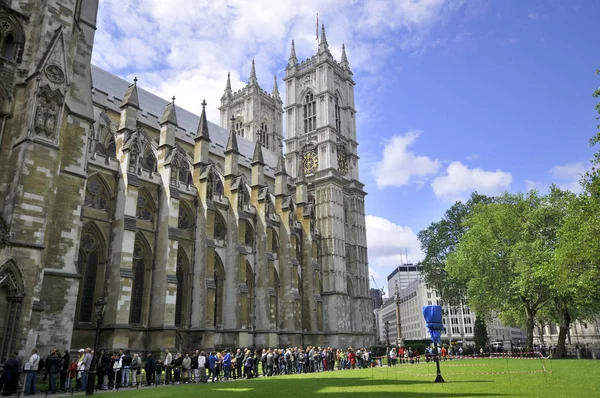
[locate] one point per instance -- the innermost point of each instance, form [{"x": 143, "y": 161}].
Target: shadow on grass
[{"x": 327, "y": 386}]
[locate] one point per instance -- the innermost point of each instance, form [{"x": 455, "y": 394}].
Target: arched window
[
  {"x": 148, "y": 163},
  {"x": 96, "y": 194},
  {"x": 263, "y": 134},
  {"x": 243, "y": 196},
  {"x": 220, "y": 228},
  {"x": 216, "y": 301},
  {"x": 9, "y": 47},
  {"x": 186, "y": 218},
  {"x": 338, "y": 116},
  {"x": 248, "y": 234},
  {"x": 274, "y": 241},
  {"x": 239, "y": 126},
  {"x": 310, "y": 112},
  {"x": 87, "y": 264},
  {"x": 140, "y": 255},
  {"x": 184, "y": 174},
  {"x": 111, "y": 148},
  {"x": 179, "y": 297},
  {"x": 145, "y": 210},
  {"x": 219, "y": 190},
  {"x": 291, "y": 216}
]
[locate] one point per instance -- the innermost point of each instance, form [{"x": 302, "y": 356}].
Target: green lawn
[{"x": 464, "y": 378}]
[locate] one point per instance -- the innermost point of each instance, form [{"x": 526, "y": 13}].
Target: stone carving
[
  {"x": 55, "y": 74},
  {"x": 46, "y": 113}
]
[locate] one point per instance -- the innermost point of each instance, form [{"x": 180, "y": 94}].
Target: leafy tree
[
  {"x": 507, "y": 254},
  {"x": 438, "y": 241},
  {"x": 480, "y": 332}
]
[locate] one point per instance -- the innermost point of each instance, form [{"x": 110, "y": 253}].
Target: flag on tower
[{"x": 317, "y": 26}]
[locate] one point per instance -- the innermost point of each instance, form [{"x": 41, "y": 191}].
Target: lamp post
[
  {"x": 399, "y": 341},
  {"x": 99, "y": 308}
]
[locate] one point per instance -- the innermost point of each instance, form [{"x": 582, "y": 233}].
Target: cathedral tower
[
  {"x": 322, "y": 150},
  {"x": 258, "y": 114}
]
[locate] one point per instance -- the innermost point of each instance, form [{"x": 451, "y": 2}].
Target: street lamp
[
  {"x": 99, "y": 308},
  {"x": 399, "y": 341}
]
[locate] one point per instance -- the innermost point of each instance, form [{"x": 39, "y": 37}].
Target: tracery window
[
  {"x": 310, "y": 112},
  {"x": 338, "y": 118},
  {"x": 220, "y": 228},
  {"x": 243, "y": 196},
  {"x": 111, "y": 148},
  {"x": 248, "y": 234},
  {"x": 263, "y": 134},
  {"x": 88, "y": 267},
  {"x": 144, "y": 207},
  {"x": 184, "y": 175},
  {"x": 186, "y": 219},
  {"x": 238, "y": 127},
  {"x": 291, "y": 216},
  {"x": 137, "y": 291},
  {"x": 8, "y": 47},
  {"x": 148, "y": 163},
  {"x": 179, "y": 273},
  {"x": 96, "y": 195},
  {"x": 274, "y": 241}
]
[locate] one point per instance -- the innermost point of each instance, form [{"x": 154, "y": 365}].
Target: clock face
[
  {"x": 310, "y": 162},
  {"x": 342, "y": 162}
]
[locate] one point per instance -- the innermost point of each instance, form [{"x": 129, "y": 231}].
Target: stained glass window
[
  {"x": 338, "y": 117},
  {"x": 186, "y": 220},
  {"x": 96, "y": 195},
  {"x": 137, "y": 292},
  {"x": 144, "y": 207},
  {"x": 249, "y": 234},
  {"x": 220, "y": 228},
  {"x": 310, "y": 112},
  {"x": 88, "y": 267}
]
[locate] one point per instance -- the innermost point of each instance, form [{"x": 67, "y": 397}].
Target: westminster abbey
[{"x": 195, "y": 234}]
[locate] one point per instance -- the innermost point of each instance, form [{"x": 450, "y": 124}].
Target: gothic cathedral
[{"x": 196, "y": 235}]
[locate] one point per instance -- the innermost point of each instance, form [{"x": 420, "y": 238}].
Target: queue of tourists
[{"x": 69, "y": 373}]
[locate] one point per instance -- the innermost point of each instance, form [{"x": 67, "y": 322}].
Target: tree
[
  {"x": 438, "y": 241},
  {"x": 480, "y": 332},
  {"x": 507, "y": 254}
]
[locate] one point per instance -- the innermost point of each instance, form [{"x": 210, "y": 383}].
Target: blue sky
[{"x": 453, "y": 96}]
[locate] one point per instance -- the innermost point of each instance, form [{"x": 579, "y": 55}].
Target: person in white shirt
[
  {"x": 31, "y": 368},
  {"x": 168, "y": 362}
]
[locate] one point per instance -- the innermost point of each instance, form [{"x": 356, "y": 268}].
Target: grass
[{"x": 464, "y": 378}]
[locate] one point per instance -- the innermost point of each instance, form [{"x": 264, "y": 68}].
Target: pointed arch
[
  {"x": 274, "y": 243},
  {"x": 142, "y": 261},
  {"x": 309, "y": 114},
  {"x": 97, "y": 192},
  {"x": 182, "y": 274},
  {"x": 248, "y": 233},
  {"x": 145, "y": 206},
  {"x": 219, "y": 285},
  {"x": 186, "y": 217},
  {"x": 274, "y": 285},
  {"x": 337, "y": 113},
  {"x": 219, "y": 227},
  {"x": 12, "y": 291},
  {"x": 249, "y": 299},
  {"x": 92, "y": 254}
]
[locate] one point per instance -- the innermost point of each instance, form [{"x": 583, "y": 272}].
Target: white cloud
[
  {"x": 472, "y": 157},
  {"x": 185, "y": 47},
  {"x": 460, "y": 180},
  {"x": 530, "y": 184},
  {"x": 389, "y": 244},
  {"x": 399, "y": 165},
  {"x": 568, "y": 175}
]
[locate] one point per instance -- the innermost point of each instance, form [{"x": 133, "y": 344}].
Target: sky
[{"x": 453, "y": 96}]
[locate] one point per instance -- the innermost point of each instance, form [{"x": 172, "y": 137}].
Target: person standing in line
[
  {"x": 227, "y": 364},
  {"x": 150, "y": 368},
  {"x": 136, "y": 365},
  {"x": 202, "y": 366},
  {"x": 212, "y": 362},
  {"x": 33, "y": 365},
  {"x": 168, "y": 361},
  {"x": 53, "y": 369},
  {"x": 86, "y": 366},
  {"x": 125, "y": 368},
  {"x": 194, "y": 372},
  {"x": 10, "y": 375}
]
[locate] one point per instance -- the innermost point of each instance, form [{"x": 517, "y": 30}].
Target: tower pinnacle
[
  {"x": 275, "y": 88},
  {"x": 323, "y": 46},
  {"x": 252, "y": 80},
  {"x": 293, "y": 60},
  {"x": 344, "y": 57}
]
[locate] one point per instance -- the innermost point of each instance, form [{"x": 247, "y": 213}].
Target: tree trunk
[
  {"x": 541, "y": 326},
  {"x": 565, "y": 323},
  {"x": 530, "y": 326}
]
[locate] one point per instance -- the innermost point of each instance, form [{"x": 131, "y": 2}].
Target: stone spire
[
  {"x": 257, "y": 157},
  {"x": 170, "y": 114},
  {"x": 301, "y": 187},
  {"x": 253, "y": 80},
  {"x": 344, "y": 62},
  {"x": 280, "y": 162},
  {"x": 281, "y": 186},
  {"x": 293, "y": 60},
  {"x": 202, "y": 132},
  {"x": 323, "y": 46},
  {"x": 300, "y": 177},
  {"x": 232, "y": 146},
  {"x": 131, "y": 96},
  {"x": 275, "y": 88},
  {"x": 228, "y": 84}
]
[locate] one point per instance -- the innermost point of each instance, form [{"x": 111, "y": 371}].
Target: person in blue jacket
[
  {"x": 227, "y": 364},
  {"x": 212, "y": 360}
]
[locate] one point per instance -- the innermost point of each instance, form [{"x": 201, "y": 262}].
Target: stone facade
[{"x": 195, "y": 234}]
